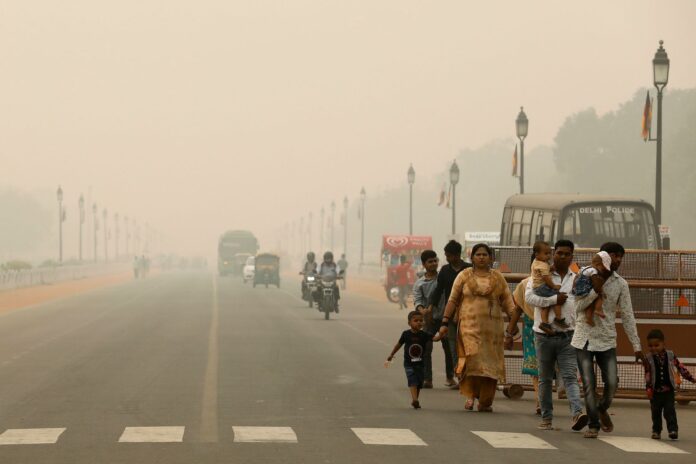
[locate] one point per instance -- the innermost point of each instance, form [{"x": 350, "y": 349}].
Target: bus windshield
[{"x": 590, "y": 225}]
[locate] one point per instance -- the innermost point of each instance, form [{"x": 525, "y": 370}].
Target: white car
[{"x": 249, "y": 269}]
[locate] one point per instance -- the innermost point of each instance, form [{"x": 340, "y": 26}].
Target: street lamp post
[
  {"x": 106, "y": 236},
  {"x": 345, "y": 225},
  {"x": 411, "y": 176},
  {"x": 81, "y": 204},
  {"x": 522, "y": 125},
  {"x": 454, "y": 180},
  {"x": 96, "y": 226},
  {"x": 59, "y": 194},
  {"x": 116, "y": 230},
  {"x": 333, "y": 223},
  {"x": 363, "y": 196},
  {"x": 125, "y": 223},
  {"x": 321, "y": 230},
  {"x": 660, "y": 78}
]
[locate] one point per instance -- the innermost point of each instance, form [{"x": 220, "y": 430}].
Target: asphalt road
[{"x": 188, "y": 368}]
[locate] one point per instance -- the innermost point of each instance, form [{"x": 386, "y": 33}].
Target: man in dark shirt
[{"x": 445, "y": 280}]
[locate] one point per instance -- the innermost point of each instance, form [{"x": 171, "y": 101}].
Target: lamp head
[
  {"x": 660, "y": 68},
  {"x": 522, "y": 124},
  {"x": 411, "y": 175}
]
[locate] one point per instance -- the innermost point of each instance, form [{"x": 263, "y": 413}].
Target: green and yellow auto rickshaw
[{"x": 267, "y": 270}]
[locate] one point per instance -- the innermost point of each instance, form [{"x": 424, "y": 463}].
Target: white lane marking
[
  {"x": 514, "y": 440},
  {"x": 401, "y": 437},
  {"x": 152, "y": 435},
  {"x": 264, "y": 435},
  {"x": 208, "y": 432},
  {"x": 641, "y": 445},
  {"x": 30, "y": 436}
]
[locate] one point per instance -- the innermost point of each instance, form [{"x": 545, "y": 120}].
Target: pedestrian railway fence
[
  {"x": 12, "y": 280},
  {"x": 662, "y": 284}
]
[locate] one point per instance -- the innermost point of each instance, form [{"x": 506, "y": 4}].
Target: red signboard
[{"x": 396, "y": 244}]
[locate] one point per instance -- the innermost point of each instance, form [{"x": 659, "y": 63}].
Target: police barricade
[{"x": 658, "y": 304}]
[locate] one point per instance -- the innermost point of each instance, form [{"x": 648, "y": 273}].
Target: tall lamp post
[
  {"x": 345, "y": 225},
  {"x": 333, "y": 223},
  {"x": 96, "y": 226},
  {"x": 522, "y": 125},
  {"x": 454, "y": 180},
  {"x": 321, "y": 230},
  {"x": 411, "y": 180},
  {"x": 81, "y": 204},
  {"x": 59, "y": 195},
  {"x": 363, "y": 196},
  {"x": 116, "y": 230},
  {"x": 106, "y": 236},
  {"x": 660, "y": 78}
]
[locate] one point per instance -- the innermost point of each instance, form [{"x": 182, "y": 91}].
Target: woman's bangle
[{"x": 444, "y": 324}]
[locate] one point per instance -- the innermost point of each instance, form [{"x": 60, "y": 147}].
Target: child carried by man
[{"x": 592, "y": 278}]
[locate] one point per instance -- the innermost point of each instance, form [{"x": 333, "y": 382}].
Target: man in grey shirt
[
  {"x": 422, "y": 290},
  {"x": 598, "y": 342},
  {"x": 552, "y": 349}
]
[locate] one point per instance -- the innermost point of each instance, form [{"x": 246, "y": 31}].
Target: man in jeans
[
  {"x": 556, "y": 348},
  {"x": 598, "y": 343}
]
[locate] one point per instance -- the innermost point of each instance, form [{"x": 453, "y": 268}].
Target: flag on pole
[
  {"x": 647, "y": 117},
  {"x": 514, "y": 162},
  {"x": 441, "y": 201}
]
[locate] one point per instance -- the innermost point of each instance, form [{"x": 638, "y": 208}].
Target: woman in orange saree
[{"x": 479, "y": 297}]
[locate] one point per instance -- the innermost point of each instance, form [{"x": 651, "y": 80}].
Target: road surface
[{"x": 191, "y": 368}]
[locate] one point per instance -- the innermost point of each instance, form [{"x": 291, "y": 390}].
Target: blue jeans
[
  {"x": 606, "y": 361},
  {"x": 549, "y": 351}
]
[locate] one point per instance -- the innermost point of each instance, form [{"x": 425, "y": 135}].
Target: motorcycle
[
  {"x": 309, "y": 285},
  {"x": 327, "y": 301}
]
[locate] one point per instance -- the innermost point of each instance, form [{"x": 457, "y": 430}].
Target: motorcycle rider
[
  {"x": 310, "y": 268},
  {"x": 329, "y": 268}
]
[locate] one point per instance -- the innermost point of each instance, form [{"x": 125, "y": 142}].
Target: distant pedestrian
[
  {"x": 422, "y": 289},
  {"x": 662, "y": 371},
  {"x": 343, "y": 265},
  {"x": 415, "y": 341},
  {"x": 445, "y": 280},
  {"x": 136, "y": 267},
  {"x": 403, "y": 272},
  {"x": 598, "y": 343}
]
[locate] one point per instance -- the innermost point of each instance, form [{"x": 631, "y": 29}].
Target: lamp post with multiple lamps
[
  {"x": 522, "y": 125},
  {"x": 411, "y": 176},
  {"x": 454, "y": 180}
]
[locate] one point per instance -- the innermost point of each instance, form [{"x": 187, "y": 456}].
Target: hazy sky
[{"x": 205, "y": 115}]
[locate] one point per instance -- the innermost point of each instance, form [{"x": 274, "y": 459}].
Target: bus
[
  {"x": 586, "y": 220},
  {"x": 234, "y": 247}
]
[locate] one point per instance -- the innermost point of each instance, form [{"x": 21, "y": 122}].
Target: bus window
[
  {"x": 526, "y": 231},
  {"x": 590, "y": 226},
  {"x": 515, "y": 227},
  {"x": 506, "y": 224}
]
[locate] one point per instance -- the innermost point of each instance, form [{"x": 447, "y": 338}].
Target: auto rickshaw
[{"x": 267, "y": 270}]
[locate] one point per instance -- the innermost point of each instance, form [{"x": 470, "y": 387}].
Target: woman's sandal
[{"x": 469, "y": 405}]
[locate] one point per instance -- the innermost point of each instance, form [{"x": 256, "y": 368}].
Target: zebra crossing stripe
[
  {"x": 152, "y": 435},
  {"x": 641, "y": 445},
  {"x": 30, "y": 436},
  {"x": 514, "y": 440},
  {"x": 399, "y": 437},
  {"x": 264, "y": 435}
]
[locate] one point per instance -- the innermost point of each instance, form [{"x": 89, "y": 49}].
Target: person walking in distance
[
  {"x": 598, "y": 343},
  {"x": 343, "y": 264},
  {"x": 445, "y": 280},
  {"x": 403, "y": 271},
  {"x": 422, "y": 289}
]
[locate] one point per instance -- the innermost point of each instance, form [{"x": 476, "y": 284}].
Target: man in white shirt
[{"x": 557, "y": 349}]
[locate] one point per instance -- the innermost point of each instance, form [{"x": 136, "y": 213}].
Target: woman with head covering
[
  {"x": 479, "y": 297},
  {"x": 529, "y": 363}
]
